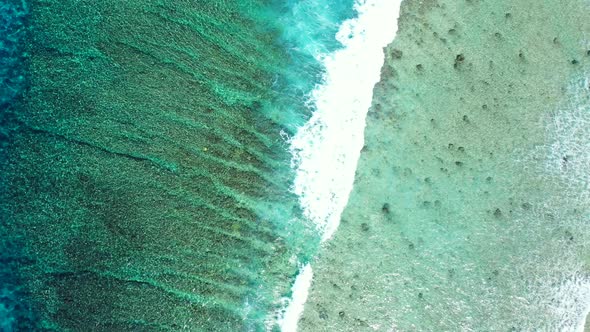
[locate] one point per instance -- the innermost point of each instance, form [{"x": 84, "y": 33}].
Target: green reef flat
[
  {"x": 470, "y": 208},
  {"x": 145, "y": 181}
]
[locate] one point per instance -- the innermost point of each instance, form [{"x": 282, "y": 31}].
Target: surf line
[{"x": 327, "y": 148}]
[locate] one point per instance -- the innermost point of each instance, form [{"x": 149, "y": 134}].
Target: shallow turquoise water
[{"x": 470, "y": 205}]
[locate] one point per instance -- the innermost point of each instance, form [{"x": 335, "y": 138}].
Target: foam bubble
[{"x": 326, "y": 149}]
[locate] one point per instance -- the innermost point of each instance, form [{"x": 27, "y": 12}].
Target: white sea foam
[
  {"x": 326, "y": 149},
  {"x": 289, "y": 318}
]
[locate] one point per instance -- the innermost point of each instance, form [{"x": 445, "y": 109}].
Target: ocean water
[
  {"x": 146, "y": 170},
  {"x": 469, "y": 210},
  {"x": 192, "y": 165}
]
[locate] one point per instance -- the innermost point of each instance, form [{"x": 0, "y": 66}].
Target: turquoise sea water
[{"x": 146, "y": 179}]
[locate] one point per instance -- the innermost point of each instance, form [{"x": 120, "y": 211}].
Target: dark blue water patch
[
  {"x": 12, "y": 29},
  {"x": 13, "y": 14},
  {"x": 16, "y": 312}
]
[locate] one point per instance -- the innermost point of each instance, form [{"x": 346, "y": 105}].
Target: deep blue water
[
  {"x": 12, "y": 30},
  {"x": 15, "y": 312}
]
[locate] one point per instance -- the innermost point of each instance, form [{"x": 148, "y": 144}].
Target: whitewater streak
[{"x": 327, "y": 148}]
